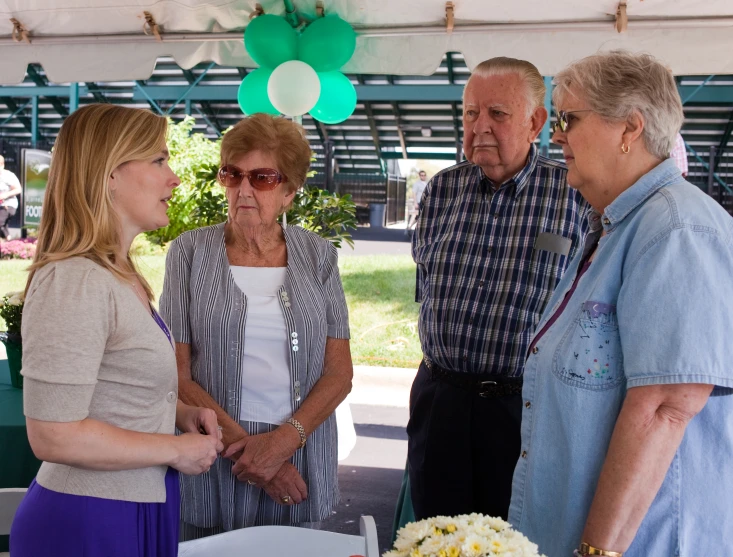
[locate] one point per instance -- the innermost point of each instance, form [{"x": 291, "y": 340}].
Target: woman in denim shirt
[{"x": 627, "y": 429}]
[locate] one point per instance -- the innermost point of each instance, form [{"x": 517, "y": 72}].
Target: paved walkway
[
  {"x": 371, "y": 476},
  {"x": 378, "y": 241}
]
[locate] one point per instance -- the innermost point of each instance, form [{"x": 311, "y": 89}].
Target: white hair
[
  {"x": 617, "y": 84},
  {"x": 501, "y": 65}
]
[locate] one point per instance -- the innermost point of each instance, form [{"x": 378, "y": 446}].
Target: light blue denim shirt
[{"x": 654, "y": 307}]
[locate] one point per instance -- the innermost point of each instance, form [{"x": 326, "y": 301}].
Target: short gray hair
[
  {"x": 618, "y": 83},
  {"x": 527, "y": 71}
]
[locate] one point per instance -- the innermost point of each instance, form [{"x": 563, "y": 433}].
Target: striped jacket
[{"x": 205, "y": 308}]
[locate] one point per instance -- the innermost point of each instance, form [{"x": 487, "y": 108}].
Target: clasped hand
[
  {"x": 196, "y": 452},
  {"x": 263, "y": 460}
]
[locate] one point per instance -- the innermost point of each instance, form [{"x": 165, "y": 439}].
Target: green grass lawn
[{"x": 380, "y": 293}]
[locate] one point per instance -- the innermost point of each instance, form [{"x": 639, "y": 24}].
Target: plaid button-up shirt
[{"x": 487, "y": 262}]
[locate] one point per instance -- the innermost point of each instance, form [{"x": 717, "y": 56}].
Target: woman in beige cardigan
[{"x": 101, "y": 389}]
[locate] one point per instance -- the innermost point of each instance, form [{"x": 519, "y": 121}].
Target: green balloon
[
  {"x": 337, "y": 100},
  {"x": 270, "y": 41},
  {"x": 252, "y": 95},
  {"x": 327, "y": 44}
]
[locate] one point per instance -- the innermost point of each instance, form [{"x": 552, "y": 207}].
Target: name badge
[{"x": 553, "y": 243}]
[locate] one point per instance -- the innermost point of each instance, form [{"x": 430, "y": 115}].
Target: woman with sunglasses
[
  {"x": 260, "y": 322},
  {"x": 627, "y": 425}
]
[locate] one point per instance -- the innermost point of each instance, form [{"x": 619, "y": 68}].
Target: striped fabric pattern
[
  {"x": 481, "y": 284},
  {"x": 205, "y": 308}
]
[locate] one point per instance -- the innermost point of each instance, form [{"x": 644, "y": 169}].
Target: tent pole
[
  {"x": 545, "y": 132},
  {"x": 34, "y": 122},
  {"x": 73, "y": 97}
]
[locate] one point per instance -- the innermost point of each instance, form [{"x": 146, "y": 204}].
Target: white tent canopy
[{"x": 103, "y": 40}]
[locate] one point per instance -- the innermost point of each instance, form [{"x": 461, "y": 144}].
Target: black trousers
[
  {"x": 462, "y": 449},
  {"x": 5, "y": 214}
]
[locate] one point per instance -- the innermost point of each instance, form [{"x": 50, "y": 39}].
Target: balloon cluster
[{"x": 299, "y": 73}]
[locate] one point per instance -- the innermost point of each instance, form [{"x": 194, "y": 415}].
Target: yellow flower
[
  {"x": 451, "y": 528},
  {"x": 415, "y": 553},
  {"x": 442, "y": 553},
  {"x": 453, "y": 551}
]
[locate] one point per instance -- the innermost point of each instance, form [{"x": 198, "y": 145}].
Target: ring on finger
[
  {"x": 285, "y": 499},
  {"x": 250, "y": 482}
]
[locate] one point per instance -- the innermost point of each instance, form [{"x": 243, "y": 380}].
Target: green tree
[
  {"x": 329, "y": 215},
  {"x": 198, "y": 201}
]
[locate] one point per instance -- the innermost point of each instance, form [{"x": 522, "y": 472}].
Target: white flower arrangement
[
  {"x": 13, "y": 299},
  {"x": 11, "y": 310},
  {"x": 467, "y": 535}
]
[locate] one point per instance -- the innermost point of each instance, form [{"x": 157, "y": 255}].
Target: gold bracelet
[
  {"x": 586, "y": 549},
  {"x": 298, "y": 426}
]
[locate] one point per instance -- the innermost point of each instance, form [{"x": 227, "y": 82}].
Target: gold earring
[{"x": 625, "y": 148}]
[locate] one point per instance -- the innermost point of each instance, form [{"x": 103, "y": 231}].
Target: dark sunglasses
[
  {"x": 562, "y": 123},
  {"x": 263, "y": 179}
]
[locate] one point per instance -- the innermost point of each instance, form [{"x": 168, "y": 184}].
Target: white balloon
[{"x": 294, "y": 88}]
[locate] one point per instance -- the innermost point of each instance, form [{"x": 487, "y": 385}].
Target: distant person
[
  {"x": 679, "y": 155},
  {"x": 418, "y": 188},
  {"x": 9, "y": 191}
]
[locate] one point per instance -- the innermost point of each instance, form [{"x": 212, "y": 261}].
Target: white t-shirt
[
  {"x": 8, "y": 181},
  {"x": 266, "y": 390},
  {"x": 418, "y": 188}
]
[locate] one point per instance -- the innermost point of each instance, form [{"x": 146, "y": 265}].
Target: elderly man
[{"x": 494, "y": 236}]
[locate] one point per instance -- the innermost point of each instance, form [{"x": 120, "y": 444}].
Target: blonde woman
[
  {"x": 100, "y": 393},
  {"x": 262, "y": 337}
]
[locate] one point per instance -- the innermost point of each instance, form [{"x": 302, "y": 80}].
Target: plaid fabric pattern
[
  {"x": 481, "y": 284},
  {"x": 679, "y": 155}
]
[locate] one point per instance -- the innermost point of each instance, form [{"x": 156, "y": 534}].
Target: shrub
[
  {"x": 329, "y": 215},
  {"x": 195, "y": 159},
  {"x": 24, "y": 248}
]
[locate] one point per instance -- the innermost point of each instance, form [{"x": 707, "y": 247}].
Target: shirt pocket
[
  {"x": 589, "y": 355},
  {"x": 546, "y": 269}
]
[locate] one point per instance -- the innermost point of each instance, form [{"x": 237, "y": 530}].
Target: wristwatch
[{"x": 586, "y": 549}]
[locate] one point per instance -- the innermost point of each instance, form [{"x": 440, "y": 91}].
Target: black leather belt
[{"x": 486, "y": 386}]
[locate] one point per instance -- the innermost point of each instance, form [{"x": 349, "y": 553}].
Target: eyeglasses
[
  {"x": 562, "y": 120},
  {"x": 263, "y": 179}
]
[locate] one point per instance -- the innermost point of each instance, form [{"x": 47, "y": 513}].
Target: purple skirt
[{"x": 63, "y": 525}]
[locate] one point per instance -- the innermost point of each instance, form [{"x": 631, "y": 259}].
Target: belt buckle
[{"x": 483, "y": 384}]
